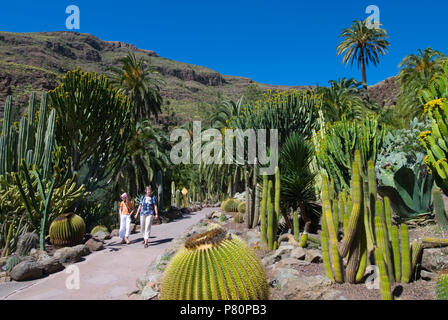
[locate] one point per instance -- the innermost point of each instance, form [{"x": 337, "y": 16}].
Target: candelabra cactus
[{"x": 215, "y": 266}]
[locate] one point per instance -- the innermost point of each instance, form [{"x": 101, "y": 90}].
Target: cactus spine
[{"x": 215, "y": 266}]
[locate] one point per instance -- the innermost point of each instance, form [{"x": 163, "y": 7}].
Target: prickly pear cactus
[{"x": 215, "y": 265}]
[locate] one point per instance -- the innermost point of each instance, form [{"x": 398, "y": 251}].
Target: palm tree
[
  {"x": 343, "y": 98},
  {"x": 134, "y": 80},
  {"x": 362, "y": 45},
  {"x": 417, "y": 73},
  {"x": 146, "y": 154}
]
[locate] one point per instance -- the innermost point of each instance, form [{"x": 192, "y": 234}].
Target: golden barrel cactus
[
  {"x": 215, "y": 265},
  {"x": 67, "y": 230}
]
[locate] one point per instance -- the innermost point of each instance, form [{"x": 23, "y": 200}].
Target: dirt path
[{"x": 108, "y": 274}]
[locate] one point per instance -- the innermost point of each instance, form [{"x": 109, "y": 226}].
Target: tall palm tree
[
  {"x": 134, "y": 79},
  {"x": 363, "y": 46},
  {"x": 416, "y": 74}
]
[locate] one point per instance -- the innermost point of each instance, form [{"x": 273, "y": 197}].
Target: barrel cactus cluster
[
  {"x": 230, "y": 205},
  {"x": 67, "y": 230},
  {"x": 367, "y": 228},
  {"x": 215, "y": 265}
]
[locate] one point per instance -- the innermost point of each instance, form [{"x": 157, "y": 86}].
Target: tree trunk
[{"x": 364, "y": 74}]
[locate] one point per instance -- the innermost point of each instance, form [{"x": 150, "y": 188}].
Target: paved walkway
[{"x": 107, "y": 274}]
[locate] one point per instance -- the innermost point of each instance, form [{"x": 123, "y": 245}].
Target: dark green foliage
[
  {"x": 297, "y": 180},
  {"x": 93, "y": 125}
]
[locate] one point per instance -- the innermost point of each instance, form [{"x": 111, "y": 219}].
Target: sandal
[{"x": 146, "y": 245}]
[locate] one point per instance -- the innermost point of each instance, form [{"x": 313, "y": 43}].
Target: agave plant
[{"x": 409, "y": 192}]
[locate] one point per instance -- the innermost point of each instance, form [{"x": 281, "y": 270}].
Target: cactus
[
  {"x": 239, "y": 217},
  {"x": 434, "y": 242},
  {"x": 366, "y": 211},
  {"x": 230, "y": 205},
  {"x": 249, "y": 202},
  {"x": 8, "y": 240},
  {"x": 216, "y": 266},
  {"x": 263, "y": 212},
  {"x": 405, "y": 255},
  {"x": 67, "y": 230},
  {"x": 98, "y": 229},
  {"x": 336, "y": 149},
  {"x": 178, "y": 198},
  {"x": 222, "y": 218},
  {"x": 384, "y": 279},
  {"x": 303, "y": 240},
  {"x": 242, "y": 207},
  {"x": 12, "y": 262},
  {"x": 277, "y": 194},
  {"x": 436, "y": 140},
  {"x": 173, "y": 194},
  {"x": 159, "y": 190},
  {"x": 442, "y": 287},
  {"x": 271, "y": 219},
  {"x": 396, "y": 252},
  {"x": 439, "y": 209},
  {"x": 27, "y": 241},
  {"x": 295, "y": 222}
]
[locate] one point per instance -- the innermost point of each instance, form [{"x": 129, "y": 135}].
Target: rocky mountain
[{"x": 37, "y": 61}]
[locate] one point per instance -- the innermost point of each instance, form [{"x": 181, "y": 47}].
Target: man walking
[{"x": 146, "y": 209}]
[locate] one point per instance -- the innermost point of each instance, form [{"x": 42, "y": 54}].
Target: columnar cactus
[
  {"x": 173, "y": 193},
  {"x": 439, "y": 209},
  {"x": 215, "y": 266},
  {"x": 361, "y": 212},
  {"x": 263, "y": 211}
]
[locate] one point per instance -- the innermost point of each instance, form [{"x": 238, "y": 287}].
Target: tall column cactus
[
  {"x": 173, "y": 193},
  {"x": 263, "y": 210}
]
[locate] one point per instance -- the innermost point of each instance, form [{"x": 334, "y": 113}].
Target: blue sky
[{"x": 289, "y": 42}]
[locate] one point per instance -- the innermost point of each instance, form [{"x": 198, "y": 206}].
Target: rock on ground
[
  {"x": 70, "y": 255},
  {"x": 435, "y": 259},
  {"x": 94, "y": 245},
  {"x": 26, "y": 270}
]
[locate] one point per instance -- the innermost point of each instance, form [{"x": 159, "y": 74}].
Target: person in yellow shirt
[{"x": 126, "y": 210}]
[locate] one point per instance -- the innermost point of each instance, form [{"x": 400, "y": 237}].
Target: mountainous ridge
[{"x": 37, "y": 61}]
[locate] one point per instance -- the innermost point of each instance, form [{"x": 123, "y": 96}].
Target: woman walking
[
  {"x": 126, "y": 210},
  {"x": 147, "y": 207}
]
